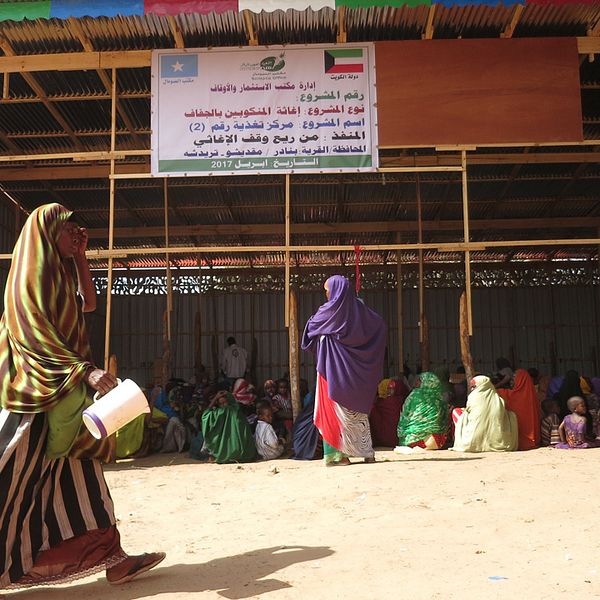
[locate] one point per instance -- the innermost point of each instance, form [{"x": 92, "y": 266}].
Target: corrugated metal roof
[{"x": 509, "y": 191}]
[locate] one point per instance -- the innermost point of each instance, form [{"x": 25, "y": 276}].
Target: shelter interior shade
[{"x": 485, "y": 91}]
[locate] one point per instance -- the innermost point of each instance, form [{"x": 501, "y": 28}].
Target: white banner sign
[{"x": 268, "y": 110}]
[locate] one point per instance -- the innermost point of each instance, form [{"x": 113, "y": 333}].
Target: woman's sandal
[
  {"x": 141, "y": 564},
  {"x": 339, "y": 463}
]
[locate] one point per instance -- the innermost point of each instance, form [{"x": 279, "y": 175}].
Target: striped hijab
[{"x": 44, "y": 349}]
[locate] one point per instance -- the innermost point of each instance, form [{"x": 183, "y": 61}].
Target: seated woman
[
  {"x": 226, "y": 432},
  {"x": 385, "y": 414},
  {"x": 485, "y": 424},
  {"x": 572, "y": 430},
  {"x": 144, "y": 435},
  {"x": 523, "y": 401},
  {"x": 424, "y": 421},
  {"x": 306, "y": 439}
]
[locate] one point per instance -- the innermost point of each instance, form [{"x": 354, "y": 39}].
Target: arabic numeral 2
[
  {"x": 221, "y": 164},
  {"x": 197, "y": 127}
]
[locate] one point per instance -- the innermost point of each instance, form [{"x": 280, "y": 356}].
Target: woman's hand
[
  {"x": 82, "y": 242},
  {"x": 100, "y": 380}
]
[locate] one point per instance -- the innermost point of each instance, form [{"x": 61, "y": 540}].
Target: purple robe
[{"x": 350, "y": 354}]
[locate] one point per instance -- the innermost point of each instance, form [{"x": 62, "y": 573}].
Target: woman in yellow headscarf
[{"x": 57, "y": 519}]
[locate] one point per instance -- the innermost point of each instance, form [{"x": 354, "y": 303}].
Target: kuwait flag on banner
[{"x": 346, "y": 60}]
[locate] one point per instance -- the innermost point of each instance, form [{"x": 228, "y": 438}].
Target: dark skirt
[{"x": 57, "y": 518}]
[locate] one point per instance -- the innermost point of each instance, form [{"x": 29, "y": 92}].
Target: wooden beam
[
  {"x": 75, "y": 61},
  {"x": 137, "y": 59},
  {"x": 252, "y": 37},
  {"x": 342, "y": 34},
  {"x": 77, "y": 29},
  {"x": 429, "y": 28},
  {"x": 588, "y": 45},
  {"x": 278, "y": 229},
  {"x": 37, "y": 88},
  {"x": 176, "y": 31},
  {"x": 516, "y": 16}
]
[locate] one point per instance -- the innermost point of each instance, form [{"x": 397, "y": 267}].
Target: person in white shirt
[
  {"x": 269, "y": 446},
  {"x": 233, "y": 361}
]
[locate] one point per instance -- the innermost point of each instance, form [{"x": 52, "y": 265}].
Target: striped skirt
[
  {"x": 57, "y": 519},
  {"x": 345, "y": 430}
]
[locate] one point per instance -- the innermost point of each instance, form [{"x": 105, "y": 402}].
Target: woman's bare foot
[
  {"x": 369, "y": 459},
  {"x": 133, "y": 566}
]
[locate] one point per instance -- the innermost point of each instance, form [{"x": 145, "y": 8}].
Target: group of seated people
[
  {"x": 222, "y": 423},
  {"x": 503, "y": 411}
]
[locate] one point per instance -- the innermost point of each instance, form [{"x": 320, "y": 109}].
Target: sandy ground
[{"x": 432, "y": 525}]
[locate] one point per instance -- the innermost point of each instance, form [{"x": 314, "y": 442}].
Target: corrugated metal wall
[{"x": 530, "y": 326}]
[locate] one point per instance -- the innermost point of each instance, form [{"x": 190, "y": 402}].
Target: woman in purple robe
[{"x": 349, "y": 341}]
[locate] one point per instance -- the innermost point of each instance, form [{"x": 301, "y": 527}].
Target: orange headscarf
[{"x": 523, "y": 401}]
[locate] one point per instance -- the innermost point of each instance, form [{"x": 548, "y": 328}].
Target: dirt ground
[{"x": 430, "y": 525}]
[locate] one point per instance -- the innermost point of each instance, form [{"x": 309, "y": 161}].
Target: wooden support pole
[
  {"x": 294, "y": 356},
  {"x": 169, "y": 277},
  {"x": 342, "y": 36},
  {"x": 420, "y": 253},
  {"x": 252, "y": 37},
  {"x": 111, "y": 217},
  {"x": 465, "y": 340},
  {"x": 166, "y": 356},
  {"x": 198, "y": 366},
  {"x": 6, "y": 86},
  {"x": 113, "y": 365},
  {"x": 465, "y": 198},
  {"x": 287, "y": 250},
  {"x": 424, "y": 354},
  {"x": 399, "y": 309}
]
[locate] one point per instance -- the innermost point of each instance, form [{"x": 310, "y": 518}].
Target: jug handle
[{"x": 97, "y": 395}]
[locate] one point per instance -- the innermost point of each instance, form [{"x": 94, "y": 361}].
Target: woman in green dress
[
  {"x": 425, "y": 416},
  {"x": 226, "y": 432}
]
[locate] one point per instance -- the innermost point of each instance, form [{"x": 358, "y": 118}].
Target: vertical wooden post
[
  {"x": 399, "y": 309},
  {"x": 198, "y": 366},
  {"x": 167, "y": 367},
  {"x": 294, "y": 356},
  {"x": 465, "y": 340},
  {"x": 6, "y": 86},
  {"x": 111, "y": 215},
  {"x": 425, "y": 362},
  {"x": 169, "y": 278},
  {"x": 113, "y": 365},
  {"x": 287, "y": 250},
  {"x": 421, "y": 287},
  {"x": 466, "y": 233}
]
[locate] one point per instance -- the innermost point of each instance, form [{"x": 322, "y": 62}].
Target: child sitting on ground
[
  {"x": 282, "y": 406},
  {"x": 572, "y": 430},
  {"x": 269, "y": 446},
  {"x": 550, "y": 423}
]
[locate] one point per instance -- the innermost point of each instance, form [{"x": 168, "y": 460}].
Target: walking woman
[
  {"x": 57, "y": 520},
  {"x": 349, "y": 340}
]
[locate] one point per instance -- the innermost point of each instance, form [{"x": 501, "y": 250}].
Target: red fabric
[
  {"x": 176, "y": 7},
  {"x": 386, "y": 413},
  {"x": 523, "y": 401},
  {"x": 440, "y": 440},
  {"x": 326, "y": 419},
  {"x": 95, "y": 548},
  {"x": 456, "y": 414}
]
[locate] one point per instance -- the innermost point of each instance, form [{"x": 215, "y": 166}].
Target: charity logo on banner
[{"x": 264, "y": 110}]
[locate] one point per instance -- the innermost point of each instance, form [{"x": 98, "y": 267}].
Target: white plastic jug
[{"x": 114, "y": 410}]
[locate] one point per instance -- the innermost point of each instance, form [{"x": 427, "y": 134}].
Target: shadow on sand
[{"x": 235, "y": 577}]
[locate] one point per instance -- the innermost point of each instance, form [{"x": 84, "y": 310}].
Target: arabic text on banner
[{"x": 277, "y": 109}]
